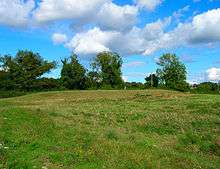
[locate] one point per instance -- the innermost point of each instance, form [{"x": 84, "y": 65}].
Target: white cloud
[
  {"x": 148, "y": 4},
  {"x": 112, "y": 27},
  {"x": 97, "y": 40},
  {"x": 213, "y": 74},
  {"x": 92, "y": 42},
  {"x": 15, "y": 12},
  {"x": 134, "y": 41},
  {"x": 112, "y": 16},
  {"x": 53, "y": 10},
  {"x": 102, "y": 13},
  {"x": 205, "y": 27},
  {"x": 202, "y": 30},
  {"x": 59, "y": 38}
]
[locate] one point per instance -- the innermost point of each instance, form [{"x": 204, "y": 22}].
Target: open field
[{"x": 111, "y": 130}]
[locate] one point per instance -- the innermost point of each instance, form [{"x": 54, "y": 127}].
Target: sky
[{"x": 139, "y": 30}]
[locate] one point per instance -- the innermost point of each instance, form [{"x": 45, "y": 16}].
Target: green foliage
[
  {"x": 46, "y": 84},
  {"x": 3, "y": 80},
  {"x": 172, "y": 72},
  {"x": 182, "y": 87},
  {"x": 134, "y": 85},
  {"x": 108, "y": 65},
  {"x": 73, "y": 74},
  {"x": 11, "y": 93},
  {"x": 206, "y": 87},
  {"x": 152, "y": 81},
  {"x": 93, "y": 80},
  {"x": 24, "y": 69},
  {"x": 24, "y": 73}
]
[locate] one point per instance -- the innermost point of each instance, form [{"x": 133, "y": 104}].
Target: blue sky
[{"x": 139, "y": 30}]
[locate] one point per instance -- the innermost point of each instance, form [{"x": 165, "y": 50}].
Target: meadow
[{"x": 139, "y": 129}]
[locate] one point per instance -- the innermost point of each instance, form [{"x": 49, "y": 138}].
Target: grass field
[{"x": 110, "y": 130}]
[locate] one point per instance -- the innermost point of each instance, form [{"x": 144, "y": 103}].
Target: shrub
[{"x": 206, "y": 87}]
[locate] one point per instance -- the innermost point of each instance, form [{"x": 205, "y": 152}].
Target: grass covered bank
[{"x": 110, "y": 129}]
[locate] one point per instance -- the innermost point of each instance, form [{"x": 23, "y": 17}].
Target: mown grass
[{"x": 110, "y": 129}]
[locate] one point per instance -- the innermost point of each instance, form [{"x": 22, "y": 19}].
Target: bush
[
  {"x": 7, "y": 94},
  {"x": 182, "y": 87},
  {"x": 206, "y": 87},
  {"x": 46, "y": 84},
  {"x": 134, "y": 86}
]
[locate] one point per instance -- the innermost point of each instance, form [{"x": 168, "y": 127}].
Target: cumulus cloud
[
  {"x": 53, "y": 10},
  {"x": 134, "y": 41},
  {"x": 15, "y": 12},
  {"x": 59, "y": 38},
  {"x": 102, "y": 13},
  {"x": 148, "y": 4},
  {"x": 92, "y": 42},
  {"x": 110, "y": 27},
  {"x": 205, "y": 27},
  {"x": 112, "y": 16},
  {"x": 202, "y": 30},
  {"x": 213, "y": 74}
]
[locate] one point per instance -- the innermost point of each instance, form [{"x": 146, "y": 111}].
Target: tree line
[{"x": 24, "y": 72}]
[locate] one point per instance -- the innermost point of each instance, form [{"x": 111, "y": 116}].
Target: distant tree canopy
[
  {"x": 172, "y": 72},
  {"x": 22, "y": 71},
  {"x": 108, "y": 66},
  {"x": 152, "y": 80},
  {"x": 73, "y": 74},
  {"x": 207, "y": 87},
  {"x": 134, "y": 85}
]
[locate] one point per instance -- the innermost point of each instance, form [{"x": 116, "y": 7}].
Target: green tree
[
  {"x": 152, "y": 80},
  {"x": 172, "y": 72},
  {"x": 73, "y": 74},
  {"x": 3, "y": 79},
  {"x": 108, "y": 65},
  {"x": 93, "y": 80},
  {"x": 24, "y": 69},
  {"x": 207, "y": 87}
]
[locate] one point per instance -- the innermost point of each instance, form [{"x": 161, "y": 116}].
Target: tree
[
  {"x": 93, "y": 80},
  {"x": 172, "y": 72},
  {"x": 73, "y": 74},
  {"x": 206, "y": 87},
  {"x": 108, "y": 65},
  {"x": 134, "y": 85},
  {"x": 152, "y": 80},
  {"x": 45, "y": 84},
  {"x": 24, "y": 69},
  {"x": 3, "y": 79}
]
